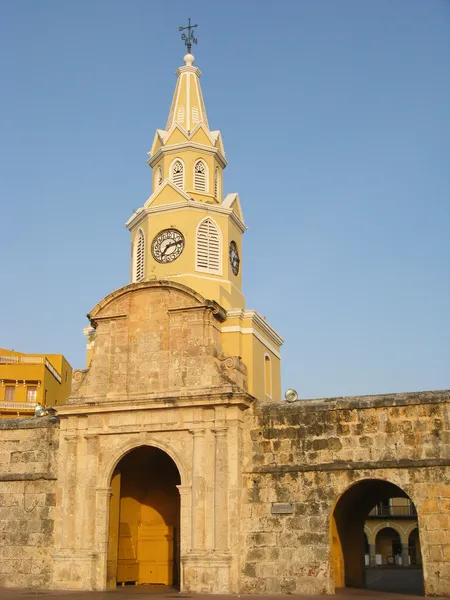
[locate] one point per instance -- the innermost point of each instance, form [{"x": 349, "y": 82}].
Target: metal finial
[{"x": 188, "y": 38}]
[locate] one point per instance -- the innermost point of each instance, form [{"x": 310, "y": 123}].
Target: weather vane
[{"x": 188, "y": 38}]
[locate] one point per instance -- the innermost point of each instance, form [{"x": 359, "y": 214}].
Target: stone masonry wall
[
  {"x": 28, "y": 450},
  {"x": 307, "y": 454}
]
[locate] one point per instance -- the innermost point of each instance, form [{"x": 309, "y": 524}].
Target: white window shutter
[
  {"x": 194, "y": 115},
  {"x": 200, "y": 176},
  {"x": 177, "y": 173},
  {"x": 208, "y": 247},
  {"x": 140, "y": 257}
]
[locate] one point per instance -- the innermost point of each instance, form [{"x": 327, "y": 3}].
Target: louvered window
[
  {"x": 139, "y": 257},
  {"x": 216, "y": 184},
  {"x": 195, "y": 115},
  {"x": 208, "y": 247},
  {"x": 177, "y": 173},
  {"x": 200, "y": 176},
  {"x": 181, "y": 114},
  {"x": 159, "y": 177}
]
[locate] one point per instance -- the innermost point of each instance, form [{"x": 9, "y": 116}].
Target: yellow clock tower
[{"x": 189, "y": 232}]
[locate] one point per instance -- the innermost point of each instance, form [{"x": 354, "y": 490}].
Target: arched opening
[
  {"x": 369, "y": 543},
  {"x": 388, "y": 546},
  {"x": 144, "y": 520}
]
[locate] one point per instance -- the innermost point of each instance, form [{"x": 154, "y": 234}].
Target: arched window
[
  {"x": 139, "y": 256},
  {"x": 159, "y": 177},
  {"x": 208, "y": 255},
  {"x": 216, "y": 184},
  {"x": 194, "y": 115},
  {"x": 178, "y": 173},
  {"x": 268, "y": 375},
  {"x": 200, "y": 176}
]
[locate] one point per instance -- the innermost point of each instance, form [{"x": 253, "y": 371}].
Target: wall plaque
[{"x": 281, "y": 509}]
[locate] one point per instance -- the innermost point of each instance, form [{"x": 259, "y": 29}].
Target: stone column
[
  {"x": 89, "y": 520},
  {"x": 69, "y": 493},
  {"x": 405, "y": 555},
  {"x": 221, "y": 490},
  {"x": 198, "y": 492},
  {"x": 101, "y": 534},
  {"x": 372, "y": 555}
]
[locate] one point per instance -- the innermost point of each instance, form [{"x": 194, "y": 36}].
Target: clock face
[
  {"x": 234, "y": 258},
  {"x": 167, "y": 245}
]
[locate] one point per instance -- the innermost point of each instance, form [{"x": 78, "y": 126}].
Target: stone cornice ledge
[
  {"x": 361, "y": 402},
  {"x": 228, "y": 395}
]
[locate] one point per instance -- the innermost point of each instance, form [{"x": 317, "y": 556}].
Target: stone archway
[
  {"x": 144, "y": 520},
  {"x": 347, "y": 529}
]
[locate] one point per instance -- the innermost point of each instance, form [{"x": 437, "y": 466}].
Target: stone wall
[
  {"x": 28, "y": 449},
  {"x": 307, "y": 454}
]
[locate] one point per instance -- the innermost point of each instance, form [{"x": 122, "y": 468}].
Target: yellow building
[
  {"x": 31, "y": 379},
  {"x": 392, "y": 534},
  {"x": 189, "y": 232}
]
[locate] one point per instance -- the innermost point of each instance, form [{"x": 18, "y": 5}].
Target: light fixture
[{"x": 291, "y": 395}]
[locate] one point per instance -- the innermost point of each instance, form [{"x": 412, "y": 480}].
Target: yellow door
[
  {"x": 155, "y": 553},
  {"x": 127, "y": 565}
]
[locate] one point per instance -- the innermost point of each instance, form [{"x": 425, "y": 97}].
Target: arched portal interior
[
  {"x": 348, "y": 545},
  {"x": 388, "y": 545},
  {"x": 144, "y": 520}
]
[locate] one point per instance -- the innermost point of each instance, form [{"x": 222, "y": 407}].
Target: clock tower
[{"x": 189, "y": 232}]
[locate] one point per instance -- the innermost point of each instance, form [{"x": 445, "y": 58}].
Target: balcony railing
[
  {"x": 18, "y": 405},
  {"x": 393, "y": 512}
]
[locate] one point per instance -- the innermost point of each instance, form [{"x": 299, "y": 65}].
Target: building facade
[
  {"x": 31, "y": 379},
  {"x": 174, "y": 460}
]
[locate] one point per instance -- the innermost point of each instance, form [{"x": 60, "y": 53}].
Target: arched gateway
[
  {"x": 144, "y": 520},
  {"x": 349, "y": 540}
]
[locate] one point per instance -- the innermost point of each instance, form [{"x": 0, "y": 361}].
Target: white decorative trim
[
  {"x": 189, "y": 204},
  {"x": 188, "y": 101},
  {"x": 252, "y": 330},
  {"x": 189, "y": 145},
  {"x": 137, "y": 238},
  {"x": 258, "y": 320},
  {"x": 267, "y": 357}
]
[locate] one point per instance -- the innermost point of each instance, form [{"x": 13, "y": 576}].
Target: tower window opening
[
  {"x": 194, "y": 115},
  {"x": 181, "y": 114},
  {"x": 139, "y": 257},
  {"x": 178, "y": 173},
  {"x": 200, "y": 176},
  {"x": 268, "y": 376},
  {"x": 216, "y": 184},
  {"x": 159, "y": 177},
  {"x": 208, "y": 247}
]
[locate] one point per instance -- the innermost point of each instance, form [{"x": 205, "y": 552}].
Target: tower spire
[{"x": 189, "y": 37}]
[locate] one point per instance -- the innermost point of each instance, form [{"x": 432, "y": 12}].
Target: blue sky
[{"x": 336, "y": 122}]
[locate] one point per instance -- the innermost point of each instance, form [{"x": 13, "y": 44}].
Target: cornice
[
  {"x": 175, "y": 148},
  {"x": 138, "y": 217},
  {"x": 259, "y": 321}
]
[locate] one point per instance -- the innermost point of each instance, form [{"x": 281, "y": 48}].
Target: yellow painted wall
[{"x": 49, "y": 391}]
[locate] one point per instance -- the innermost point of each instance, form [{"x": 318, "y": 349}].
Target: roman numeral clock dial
[{"x": 167, "y": 245}]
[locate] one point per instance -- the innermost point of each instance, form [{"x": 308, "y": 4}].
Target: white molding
[
  {"x": 242, "y": 314},
  {"x": 188, "y": 204},
  {"x": 189, "y": 145},
  {"x": 251, "y": 330},
  {"x": 188, "y": 102}
]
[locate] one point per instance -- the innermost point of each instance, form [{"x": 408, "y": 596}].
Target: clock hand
[{"x": 168, "y": 246}]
